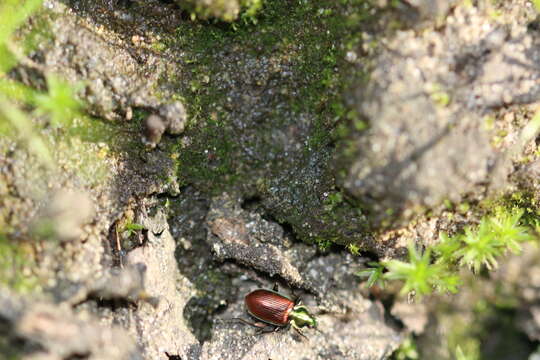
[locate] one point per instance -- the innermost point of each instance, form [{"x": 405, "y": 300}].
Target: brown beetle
[{"x": 277, "y": 311}]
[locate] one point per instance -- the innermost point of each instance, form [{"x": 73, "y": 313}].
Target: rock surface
[
  {"x": 426, "y": 104},
  {"x": 361, "y": 334},
  {"x": 162, "y": 329},
  {"x": 159, "y": 246},
  {"x": 42, "y": 330}
]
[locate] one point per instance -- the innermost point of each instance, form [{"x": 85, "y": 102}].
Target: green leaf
[
  {"x": 16, "y": 91},
  {"x": 374, "y": 275},
  {"x": 447, "y": 248},
  {"x": 407, "y": 350},
  {"x": 19, "y": 11},
  {"x": 462, "y": 355},
  {"x": 506, "y": 227},
  {"x": 7, "y": 59},
  {"x": 482, "y": 247},
  {"x": 131, "y": 228},
  {"x": 20, "y": 122},
  {"x": 420, "y": 275}
]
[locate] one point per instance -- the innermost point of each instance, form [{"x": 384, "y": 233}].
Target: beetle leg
[
  {"x": 257, "y": 325},
  {"x": 276, "y": 287},
  {"x": 267, "y": 329},
  {"x": 301, "y": 333},
  {"x": 262, "y": 328},
  {"x": 297, "y": 328}
]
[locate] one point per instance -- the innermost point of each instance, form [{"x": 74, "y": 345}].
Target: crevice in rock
[
  {"x": 173, "y": 356},
  {"x": 80, "y": 356},
  {"x": 252, "y": 203}
]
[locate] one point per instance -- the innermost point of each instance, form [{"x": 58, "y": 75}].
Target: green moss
[
  {"x": 323, "y": 243},
  {"x": 226, "y": 148},
  {"x": 15, "y": 266},
  {"x": 209, "y": 160},
  {"x": 311, "y": 36},
  {"x": 523, "y": 199}
]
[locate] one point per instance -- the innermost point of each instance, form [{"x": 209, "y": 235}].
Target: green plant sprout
[
  {"x": 436, "y": 268},
  {"x": 536, "y": 4},
  {"x": 445, "y": 250},
  {"x": 494, "y": 237},
  {"x": 407, "y": 350},
  {"x": 251, "y": 8},
  {"x": 462, "y": 355},
  {"x": 17, "y": 101},
  {"x": 480, "y": 248},
  {"x": 18, "y": 12},
  {"x": 132, "y": 228},
  {"x": 354, "y": 249},
  {"x": 12, "y": 119},
  {"x": 59, "y": 103},
  {"x": 374, "y": 274},
  {"x": 420, "y": 274}
]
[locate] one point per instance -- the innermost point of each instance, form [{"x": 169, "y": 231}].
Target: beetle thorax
[{"x": 302, "y": 317}]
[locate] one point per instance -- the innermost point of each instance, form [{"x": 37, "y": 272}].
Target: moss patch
[
  {"x": 306, "y": 40},
  {"x": 15, "y": 266},
  {"x": 265, "y": 105}
]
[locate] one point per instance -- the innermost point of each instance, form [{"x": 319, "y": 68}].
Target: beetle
[{"x": 277, "y": 311}]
